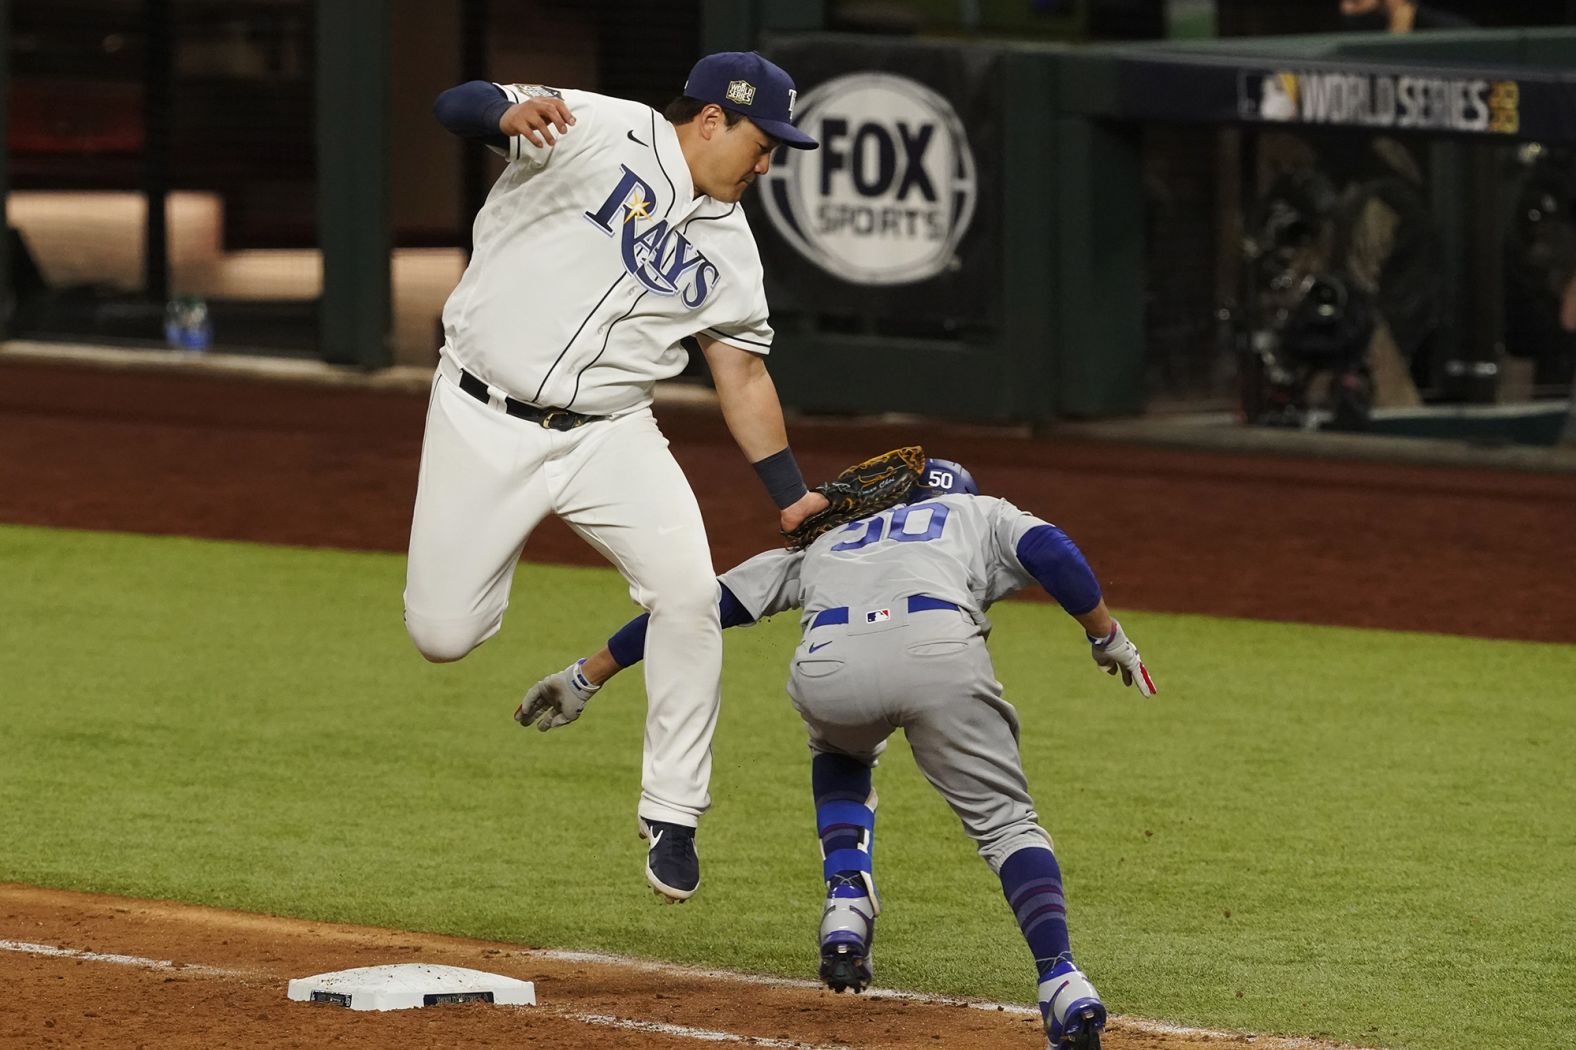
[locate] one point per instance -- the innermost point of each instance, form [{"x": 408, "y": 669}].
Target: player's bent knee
[
  {"x": 439, "y": 647},
  {"x": 996, "y": 849},
  {"x": 444, "y": 641},
  {"x": 687, "y": 598}
]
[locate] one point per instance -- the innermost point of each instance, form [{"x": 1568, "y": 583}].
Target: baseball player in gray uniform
[
  {"x": 894, "y": 628},
  {"x": 612, "y": 241}
]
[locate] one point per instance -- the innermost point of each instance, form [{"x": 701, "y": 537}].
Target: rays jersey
[
  {"x": 594, "y": 258},
  {"x": 959, "y": 548}
]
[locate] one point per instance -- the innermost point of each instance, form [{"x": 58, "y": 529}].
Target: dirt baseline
[{"x": 226, "y": 988}]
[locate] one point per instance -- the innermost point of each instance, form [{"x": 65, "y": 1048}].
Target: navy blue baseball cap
[{"x": 744, "y": 82}]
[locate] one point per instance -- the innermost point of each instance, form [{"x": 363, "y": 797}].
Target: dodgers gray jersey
[
  {"x": 594, "y": 258},
  {"x": 960, "y": 548}
]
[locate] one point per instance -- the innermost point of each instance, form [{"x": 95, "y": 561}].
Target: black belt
[
  {"x": 551, "y": 418},
  {"x": 916, "y": 603}
]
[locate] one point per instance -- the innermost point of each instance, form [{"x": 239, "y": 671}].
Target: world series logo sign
[
  {"x": 891, "y": 191},
  {"x": 1380, "y": 100}
]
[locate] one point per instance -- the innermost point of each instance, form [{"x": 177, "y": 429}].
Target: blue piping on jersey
[
  {"x": 672, "y": 200},
  {"x": 724, "y": 337},
  {"x": 1054, "y": 560},
  {"x": 606, "y": 337},
  {"x": 592, "y": 313},
  {"x": 673, "y": 194},
  {"x": 472, "y": 110}
]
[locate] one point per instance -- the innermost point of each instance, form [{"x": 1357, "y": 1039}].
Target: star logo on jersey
[
  {"x": 638, "y": 208},
  {"x": 659, "y": 256}
]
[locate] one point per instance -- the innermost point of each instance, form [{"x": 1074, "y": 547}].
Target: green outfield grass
[{"x": 1357, "y": 835}]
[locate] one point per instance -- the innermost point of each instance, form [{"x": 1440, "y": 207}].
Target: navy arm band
[
  {"x": 1059, "y": 565},
  {"x": 628, "y": 644},
  {"x": 780, "y": 474},
  {"x": 473, "y": 110}
]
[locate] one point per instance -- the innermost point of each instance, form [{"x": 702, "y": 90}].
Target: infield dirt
[{"x": 84, "y": 1002}]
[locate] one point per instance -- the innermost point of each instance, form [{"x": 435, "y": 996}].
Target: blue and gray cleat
[
  {"x": 848, "y": 925},
  {"x": 1074, "y": 1015}
]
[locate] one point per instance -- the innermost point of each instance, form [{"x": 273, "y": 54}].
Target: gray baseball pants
[{"x": 928, "y": 673}]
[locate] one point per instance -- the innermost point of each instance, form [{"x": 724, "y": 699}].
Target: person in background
[{"x": 1396, "y": 16}]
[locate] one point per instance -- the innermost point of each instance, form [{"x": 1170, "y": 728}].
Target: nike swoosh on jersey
[
  {"x": 821, "y": 645},
  {"x": 633, "y": 139}
]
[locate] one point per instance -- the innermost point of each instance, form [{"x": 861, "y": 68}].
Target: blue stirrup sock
[
  {"x": 1032, "y": 883},
  {"x": 845, "y": 819}
]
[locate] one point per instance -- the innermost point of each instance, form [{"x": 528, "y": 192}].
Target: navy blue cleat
[
  {"x": 672, "y": 867},
  {"x": 1074, "y": 1015}
]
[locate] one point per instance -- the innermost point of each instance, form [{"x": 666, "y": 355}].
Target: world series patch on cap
[{"x": 746, "y": 83}]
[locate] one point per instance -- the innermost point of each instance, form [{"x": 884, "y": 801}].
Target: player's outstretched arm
[
  {"x": 559, "y": 698},
  {"x": 754, "y": 415},
  {"x": 1055, "y": 561}
]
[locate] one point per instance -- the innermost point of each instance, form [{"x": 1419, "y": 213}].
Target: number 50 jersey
[{"x": 961, "y": 549}]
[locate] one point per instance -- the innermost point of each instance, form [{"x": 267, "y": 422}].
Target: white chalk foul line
[
  {"x": 1135, "y": 1023},
  {"x": 119, "y": 960},
  {"x": 687, "y": 1032},
  {"x": 604, "y": 1020},
  {"x": 775, "y": 982}
]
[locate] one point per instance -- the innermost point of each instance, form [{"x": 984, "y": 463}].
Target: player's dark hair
[{"x": 684, "y": 109}]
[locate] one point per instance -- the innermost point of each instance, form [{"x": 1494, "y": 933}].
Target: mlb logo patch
[
  {"x": 740, "y": 92},
  {"x": 878, "y": 615},
  {"x": 538, "y": 90}
]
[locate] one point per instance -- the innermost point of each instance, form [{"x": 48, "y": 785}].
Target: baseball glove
[{"x": 862, "y": 490}]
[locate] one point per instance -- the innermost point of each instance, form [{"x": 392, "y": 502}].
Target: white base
[{"x": 406, "y": 985}]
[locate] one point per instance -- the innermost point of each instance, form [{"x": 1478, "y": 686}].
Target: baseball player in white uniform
[
  {"x": 612, "y": 241},
  {"x": 894, "y": 631}
]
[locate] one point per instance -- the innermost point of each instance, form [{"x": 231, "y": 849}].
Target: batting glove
[
  {"x": 1116, "y": 652},
  {"x": 557, "y": 699}
]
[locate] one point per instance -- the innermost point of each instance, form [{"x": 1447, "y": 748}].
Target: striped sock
[
  {"x": 1032, "y": 883},
  {"x": 842, "y": 786}
]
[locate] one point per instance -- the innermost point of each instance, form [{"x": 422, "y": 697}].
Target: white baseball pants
[{"x": 488, "y": 479}]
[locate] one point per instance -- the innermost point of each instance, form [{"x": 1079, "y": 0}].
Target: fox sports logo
[{"x": 889, "y": 194}]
